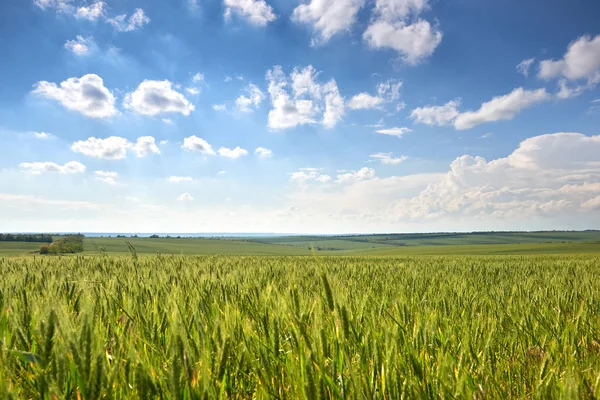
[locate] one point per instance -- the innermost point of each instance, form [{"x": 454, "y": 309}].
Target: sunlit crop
[{"x": 478, "y": 327}]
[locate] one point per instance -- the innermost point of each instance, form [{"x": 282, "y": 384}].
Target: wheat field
[{"x": 259, "y": 327}]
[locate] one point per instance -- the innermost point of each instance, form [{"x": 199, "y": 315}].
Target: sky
[{"x": 315, "y": 116}]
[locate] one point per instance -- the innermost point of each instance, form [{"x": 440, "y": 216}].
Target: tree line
[{"x": 26, "y": 237}]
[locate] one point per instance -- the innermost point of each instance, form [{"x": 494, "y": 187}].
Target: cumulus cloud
[
  {"x": 387, "y": 158},
  {"x": 80, "y": 46},
  {"x": 194, "y": 143},
  {"x": 253, "y": 99},
  {"x": 192, "y": 90},
  {"x": 413, "y": 42},
  {"x": 353, "y": 176},
  {"x": 398, "y": 132},
  {"x": 185, "y": 197},
  {"x": 198, "y": 77},
  {"x": 501, "y": 107},
  {"x": 157, "y": 97},
  {"x": 93, "y": 12},
  {"x": 257, "y": 12},
  {"x": 145, "y": 145},
  {"x": 309, "y": 174},
  {"x": 327, "y": 17},
  {"x": 122, "y": 23},
  {"x": 436, "y": 115},
  {"x": 232, "y": 153},
  {"x": 86, "y": 95},
  {"x": 396, "y": 26},
  {"x": 108, "y": 177},
  {"x": 262, "y": 152},
  {"x": 581, "y": 61},
  {"x": 179, "y": 179},
  {"x": 553, "y": 178},
  {"x": 219, "y": 107},
  {"x": 364, "y": 101},
  {"x": 37, "y": 168},
  {"x": 115, "y": 147},
  {"x": 524, "y": 66},
  {"x": 306, "y": 100}
]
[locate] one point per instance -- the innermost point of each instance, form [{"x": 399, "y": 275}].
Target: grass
[{"x": 472, "y": 327}]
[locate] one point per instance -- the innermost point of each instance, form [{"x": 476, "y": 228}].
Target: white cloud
[
  {"x": 387, "y": 158},
  {"x": 192, "y": 90},
  {"x": 198, "y": 77},
  {"x": 80, "y": 46},
  {"x": 436, "y": 115},
  {"x": 398, "y": 132},
  {"x": 185, "y": 197},
  {"x": 581, "y": 61},
  {"x": 399, "y": 9},
  {"x": 364, "y": 101},
  {"x": 135, "y": 21},
  {"x": 179, "y": 179},
  {"x": 334, "y": 105},
  {"x": 43, "y": 135},
  {"x": 249, "y": 103},
  {"x": 257, "y": 12},
  {"x": 93, "y": 12},
  {"x": 353, "y": 176},
  {"x": 144, "y": 146},
  {"x": 262, "y": 152},
  {"x": 308, "y": 174},
  {"x": 36, "y": 168},
  {"x": 232, "y": 153},
  {"x": 115, "y": 147},
  {"x": 328, "y": 17},
  {"x": 389, "y": 89},
  {"x": 219, "y": 107},
  {"x": 221, "y": 173},
  {"x": 164, "y": 142},
  {"x": 59, "y": 5},
  {"x": 414, "y": 42},
  {"x": 156, "y": 97},
  {"x": 485, "y": 135},
  {"x": 306, "y": 101},
  {"x": 228, "y": 78},
  {"x": 194, "y": 143},
  {"x": 167, "y": 121},
  {"x": 524, "y": 66},
  {"x": 112, "y": 148},
  {"x": 501, "y": 107},
  {"x": 108, "y": 177},
  {"x": 86, "y": 95}
]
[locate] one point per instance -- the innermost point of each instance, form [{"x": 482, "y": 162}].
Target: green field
[
  {"x": 192, "y": 327},
  {"x": 318, "y": 245}
]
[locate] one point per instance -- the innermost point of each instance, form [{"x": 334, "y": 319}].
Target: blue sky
[{"x": 317, "y": 116}]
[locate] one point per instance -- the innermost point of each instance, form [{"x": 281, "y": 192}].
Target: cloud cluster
[
  {"x": 80, "y": 46},
  {"x": 552, "y": 177},
  {"x": 580, "y": 65},
  {"x": 328, "y": 17},
  {"x": 395, "y": 24},
  {"x": 232, "y": 153},
  {"x": 309, "y": 174},
  {"x": 499, "y": 108},
  {"x": 257, "y": 12},
  {"x": 300, "y": 99},
  {"x": 115, "y": 147},
  {"x": 87, "y": 95},
  {"x": 37, "y": 168},
  {"x": 96, "y": 11},
  {"x": 253, "y": 99},
  {"x": 194, "y": 143}
]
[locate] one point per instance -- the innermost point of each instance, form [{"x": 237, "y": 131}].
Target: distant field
[
  {"x": 189, "y": 246},
  {"x": 376, "y": 245}
]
